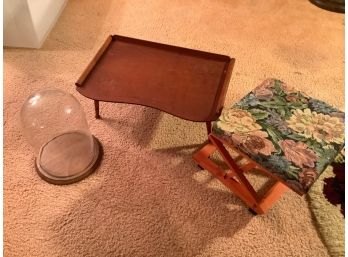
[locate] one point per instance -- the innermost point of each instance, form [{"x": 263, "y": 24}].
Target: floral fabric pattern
[{"x": 287, "y": 132}]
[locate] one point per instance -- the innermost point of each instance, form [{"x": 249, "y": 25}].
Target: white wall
[{"x": 28, "y": 22}]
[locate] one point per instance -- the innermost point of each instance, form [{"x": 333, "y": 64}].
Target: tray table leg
[
  {"x": 208, "y": 123},
  {"x": 96, "y": 107}
]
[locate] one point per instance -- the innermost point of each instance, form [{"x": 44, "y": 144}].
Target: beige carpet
[{"x": 148, "y": 198}]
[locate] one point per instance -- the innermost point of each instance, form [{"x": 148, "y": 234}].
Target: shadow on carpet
[{"x": 148, "y": 205}]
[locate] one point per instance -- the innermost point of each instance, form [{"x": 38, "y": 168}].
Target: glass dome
[{"x": 55, "y": 125}]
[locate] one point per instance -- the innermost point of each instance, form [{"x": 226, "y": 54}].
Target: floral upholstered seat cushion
[{"x": 292, "y": 135}]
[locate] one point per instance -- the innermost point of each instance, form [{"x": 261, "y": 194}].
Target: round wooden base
[
  {"x": 330, "y": 5},
  {"x": 69, "y": 179}
]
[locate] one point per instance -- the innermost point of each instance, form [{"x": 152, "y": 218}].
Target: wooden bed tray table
[{"x": 186, "y": 83}]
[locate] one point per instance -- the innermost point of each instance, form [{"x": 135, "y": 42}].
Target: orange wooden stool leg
[{"x": 236, "y": 181}]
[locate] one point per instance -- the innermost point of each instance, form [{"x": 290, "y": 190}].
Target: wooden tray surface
[{"x": 187, "y": 83}]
